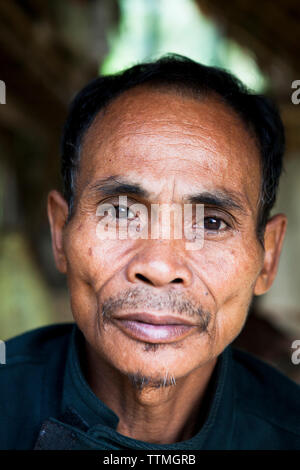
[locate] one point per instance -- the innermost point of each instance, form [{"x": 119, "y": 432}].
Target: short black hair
[{"x": 180, "y": 73}]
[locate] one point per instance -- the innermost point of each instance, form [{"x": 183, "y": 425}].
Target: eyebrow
[
  {"x": 223, "y": 199},
  {"x": 116, "y": 185}
]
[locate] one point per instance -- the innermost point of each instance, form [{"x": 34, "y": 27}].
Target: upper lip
[{"x": 155, "y": 319}]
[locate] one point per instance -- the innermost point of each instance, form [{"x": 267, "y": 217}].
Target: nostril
[
  {"x": 177, "y": 280},
  {"x": 139, "y": 276},
  {"x": 143, "y": 278}
]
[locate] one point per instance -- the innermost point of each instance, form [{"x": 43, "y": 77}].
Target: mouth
[{"x": 154, "y": 328}]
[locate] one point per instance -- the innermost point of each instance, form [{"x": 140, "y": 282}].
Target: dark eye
[
  {"x": 214, "y": 223},
  {"x": 124, "y": 212}
]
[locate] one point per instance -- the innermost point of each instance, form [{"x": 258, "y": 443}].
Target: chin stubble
[{"x": 140, "y": 381}]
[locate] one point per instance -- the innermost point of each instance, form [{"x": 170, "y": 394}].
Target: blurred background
[{"x": 50, "y": 49}]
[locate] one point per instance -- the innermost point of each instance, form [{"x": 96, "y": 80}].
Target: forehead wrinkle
[
  {"x": 163, "y": 143},
  {"x": 119, "y": 113},
  {"x": 122, "y": 127},
  {"x": 177, "y": 126},
  {"x": 161, "y": 125}
]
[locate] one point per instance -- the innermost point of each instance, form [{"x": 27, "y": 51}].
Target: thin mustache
[{"x": 138, "y": 299}]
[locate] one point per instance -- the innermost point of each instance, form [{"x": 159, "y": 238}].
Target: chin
[{"x": 156, "y": 362}]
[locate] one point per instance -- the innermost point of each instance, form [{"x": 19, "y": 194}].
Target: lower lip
[{"x": 154, "y": 333}]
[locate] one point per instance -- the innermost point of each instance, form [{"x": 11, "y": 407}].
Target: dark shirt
[{"x": 46, "y": 403}]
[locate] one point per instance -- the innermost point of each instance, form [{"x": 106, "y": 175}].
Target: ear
[
  {"x": 57, "y": 209},
  {"x": 273, "y": 240}
]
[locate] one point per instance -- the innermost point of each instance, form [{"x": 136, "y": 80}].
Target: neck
[{"x": 155, "y": 414}]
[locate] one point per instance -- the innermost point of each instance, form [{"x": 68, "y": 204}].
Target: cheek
[
  {"x": 229, "y": 273},
  {"x": 91, "y": 263},
  {"x": 89, "y": 259},
  {"x": 230, "y": 270},
  {"x": 85, "y": 268}
]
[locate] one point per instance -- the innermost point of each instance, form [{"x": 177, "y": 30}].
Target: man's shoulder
[
  {"x": 265, "y": 393},
  {"x": 35, "y": 347},
  {"x": 31, "y": 382},
  {"x": 38, "y": 342}
]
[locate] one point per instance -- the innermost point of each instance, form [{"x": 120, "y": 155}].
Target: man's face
[{"x": 173, "y": 148}]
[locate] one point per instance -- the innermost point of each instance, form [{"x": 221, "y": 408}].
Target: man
[{"x": 148, "y": 362}]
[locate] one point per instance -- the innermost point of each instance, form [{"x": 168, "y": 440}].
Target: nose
[{"x": 159, "y": 266}]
